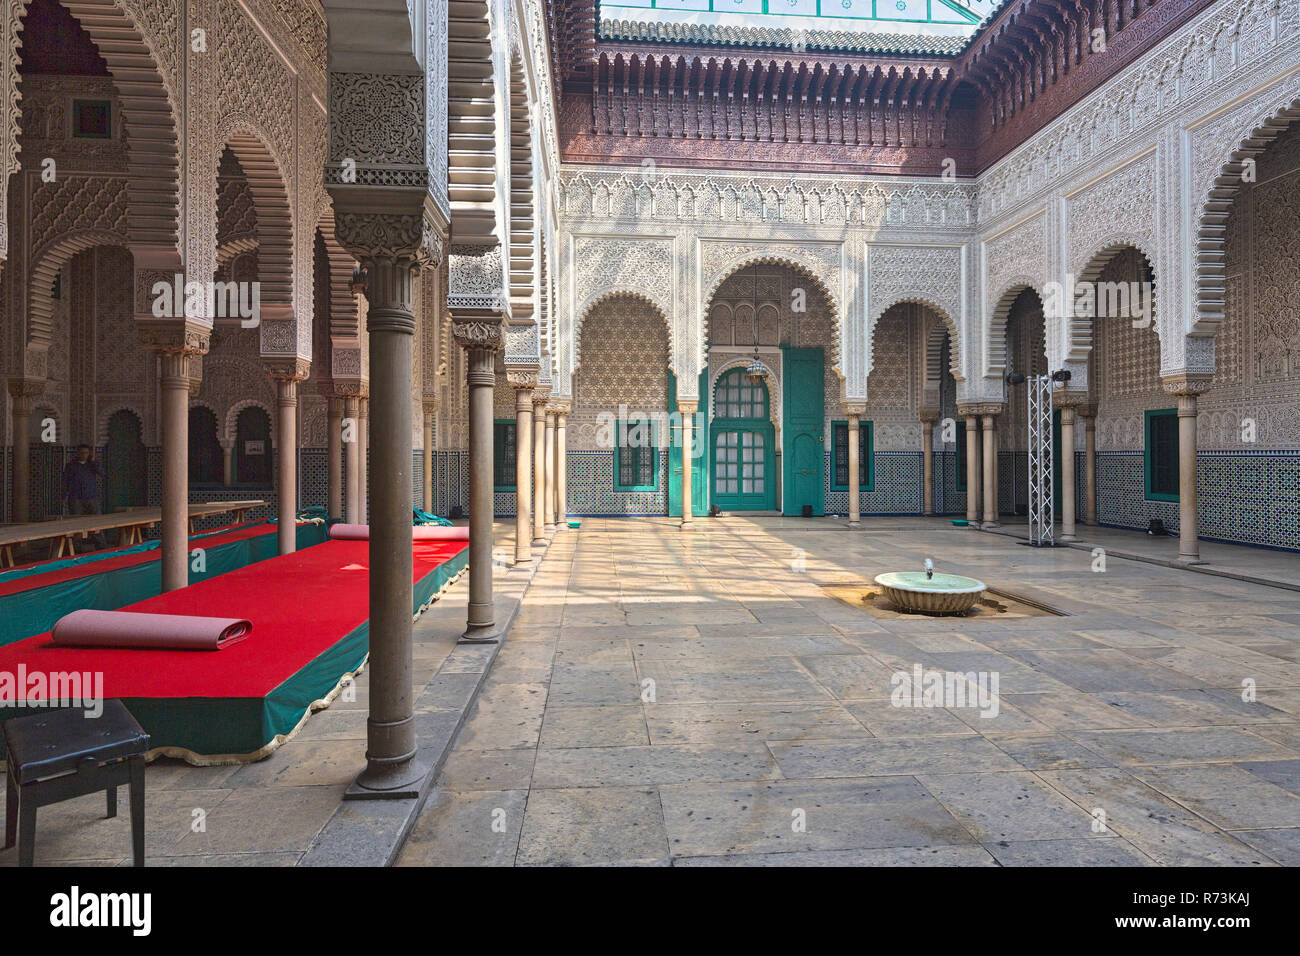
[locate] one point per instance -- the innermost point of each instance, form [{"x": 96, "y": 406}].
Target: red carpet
[{"x": 300, "y": 604}]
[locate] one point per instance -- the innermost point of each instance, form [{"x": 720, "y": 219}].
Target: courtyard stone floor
[{"x": 670, "y": 698}]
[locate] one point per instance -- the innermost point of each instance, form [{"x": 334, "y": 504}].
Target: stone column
[
  {"x": 363, "y": 457},
  {"x": 549, "y": 497},
  {"x": 175, "y": 342},
  {"x": 481, "y": 337},
  {"x": 854, "y": 414},
  {"x": 1089, "y": 465},
  {"x": 523, "y": 382},
  {"x": 287, "y": 374},
  {"x": 561, "y": 468},
  {"x": 228, "y": 462},
  {"x": 391, "y": 767},
  {"x": 928, "y": 418},
  {"x": 540, "y": 398},
  {"x": 428, "y": 409},
  {"x": 972, "y": 468},
  {"x": 334, "y": 454},
  {"x": 352, "y": 464},
  {"x": 22, "y": 391},
  {"x": 686, "y": 410},
  {"x": 989, "y": 479},
  {"x": 1187, "y": 388}
]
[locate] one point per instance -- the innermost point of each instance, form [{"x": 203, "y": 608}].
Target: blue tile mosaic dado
[
  {"x": 590, "y": 479},
  {"x": 1245, "y": 497},
  {"x": 897, "y": 489}
]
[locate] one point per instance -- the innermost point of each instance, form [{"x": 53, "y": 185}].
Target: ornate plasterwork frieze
[
  {"x": 523, "y": 345},
  {"x": 375, "y": 136},
  {"x": 742, "y": 200},
  {"x": 476, "y": 279}
]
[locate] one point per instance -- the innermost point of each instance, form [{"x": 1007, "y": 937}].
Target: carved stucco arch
[
  {"x": 46, "y": 263},
  {"x": 231, "y": 420},
  {"x": 996, "y": 337},
  {"x": 106, "y": 416},
  {"x": 1079, "y": 328},
  {"x": 232, "y": 249},
  {"x": 946, "y": 322},
  {"x": 148, "y": 119},
  {"x": 792, "y": 257},
  {"x": 1250, "y": 130},
  {"x": 608, "y": 298},
  {"x": 275, "y": 220}
]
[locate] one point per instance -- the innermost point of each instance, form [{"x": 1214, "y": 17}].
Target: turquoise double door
[{"x": 735, "y": 464}]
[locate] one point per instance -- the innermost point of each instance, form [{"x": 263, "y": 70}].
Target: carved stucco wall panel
[{"x": 930, "y": 275}]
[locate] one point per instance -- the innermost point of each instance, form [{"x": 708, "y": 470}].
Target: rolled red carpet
[
  {"x": 361, "y": 532},
  {"x": 132, "y": 629}
]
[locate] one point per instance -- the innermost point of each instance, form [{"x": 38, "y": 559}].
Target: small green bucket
[
  {"x": 575, "y": 524},
  {"x": 960, "y": 522}
]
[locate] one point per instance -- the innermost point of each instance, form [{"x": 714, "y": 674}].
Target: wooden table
[{"x": 62, "y": 532}]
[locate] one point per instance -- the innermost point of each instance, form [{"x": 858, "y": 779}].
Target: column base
[
  {"x": 549, "y": 527},
  {"x": 1068, "y": 537},
  {"x": 540, "y": 542},
  {"x": 480, "y": 634},
  {"x": 990, "y": 525},
  {"x": 1190, "y": 559},
  {"x": 399, "y": 781},
  {"x": 686, "y": 526},
  {"x": 855, "y": 524}
]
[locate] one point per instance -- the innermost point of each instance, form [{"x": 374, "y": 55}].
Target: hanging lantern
[{"x": 757, "y": 371}]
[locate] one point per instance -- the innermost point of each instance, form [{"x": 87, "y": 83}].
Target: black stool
[{"x": 61, "y": 754}]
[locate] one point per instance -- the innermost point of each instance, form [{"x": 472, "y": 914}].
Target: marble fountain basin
[{"x": 940, "y": 594}]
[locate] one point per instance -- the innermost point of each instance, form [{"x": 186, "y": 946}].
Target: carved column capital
[
  {"x": 1069, "y": 398},
  {"x": 981, "y": 409},
  {"x": 479, "y": 335},
  {"x": 855, "y": 408},
  {"x": 396, "y": 236},
  {"x": 25, "y": 388},
  {"x": 522, "y": 378},
  {"x": 287, "y": 369},
  {"x": 929, "y": 415},
  {"x": 1186, "y": 383},
  {"x": 174, "y": 337}
]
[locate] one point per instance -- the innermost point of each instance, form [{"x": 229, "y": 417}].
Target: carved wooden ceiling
[{"x": 700, "y": 103}]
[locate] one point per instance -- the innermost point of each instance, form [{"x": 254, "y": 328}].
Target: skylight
[{"x": 698, "y": 19}]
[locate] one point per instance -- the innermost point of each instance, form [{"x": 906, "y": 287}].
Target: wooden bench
[
  {"x": 61, "y": 754},
  {"x": 63, "y": 532}
]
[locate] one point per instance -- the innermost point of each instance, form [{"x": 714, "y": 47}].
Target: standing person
[{"x": 81, "y": 479}]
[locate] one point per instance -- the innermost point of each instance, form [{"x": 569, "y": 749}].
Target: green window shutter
[
  {"x": 840, "y": 446},
  {"x": 1161, "y": 454},
  {"x": 636, "y": 456},
  {"x": 866, "y": 457},
  {"x": 503, "y": 455}
]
